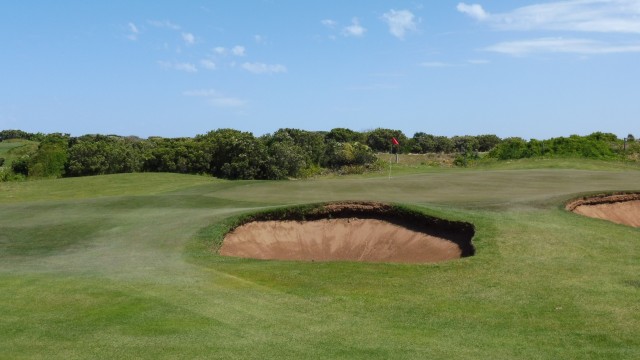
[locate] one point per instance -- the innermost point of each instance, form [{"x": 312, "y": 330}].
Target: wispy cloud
[
  {"x": 216, "y": 98},
  {"x": 560, "y": 45},
  {"x": 188, "y": 38},
  {"x": 475, "y": 11},
  {"x": 164, "y": 24},
  {"x": 133, "y": 32},
  {"x": 355, "y": 29},
  {"x": 261, "y": 68},
  {"x": 400, "y": 22},
  {"x": 331, "y": 24},
  {"x": 602, "y": 16},
  {"x": 564, "y": 18},
  {"x": 208, "y": 64},
  {"x": 238, "y": 50},
  {"x": 179, "y": 66}
]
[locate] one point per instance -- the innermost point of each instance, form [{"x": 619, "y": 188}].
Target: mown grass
[
  {"x": 98, "y": 186},
  {"x": 120, "y": 267}
]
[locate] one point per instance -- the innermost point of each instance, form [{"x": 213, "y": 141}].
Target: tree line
[
  {"x": 286, "y": 153},
  {"x": 597, "y": 145}
]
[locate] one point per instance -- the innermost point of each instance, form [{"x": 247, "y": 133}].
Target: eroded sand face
[
  {"x": 350, "y": 239},
  {"x": 620, "y": 209}
]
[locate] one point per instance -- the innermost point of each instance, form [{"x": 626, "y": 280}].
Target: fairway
[{"x": 119, "y": 266}]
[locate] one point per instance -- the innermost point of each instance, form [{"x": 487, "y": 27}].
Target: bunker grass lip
[{"x": 620, "y": 208}]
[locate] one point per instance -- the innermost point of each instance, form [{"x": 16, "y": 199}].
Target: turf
[{"x": 118, "y": 267}]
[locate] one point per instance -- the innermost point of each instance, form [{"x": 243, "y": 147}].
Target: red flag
[{"x": 395, "y": 141}]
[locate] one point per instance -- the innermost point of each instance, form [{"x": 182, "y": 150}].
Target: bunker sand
[
  {"x": 337, "y": 239},
  {"x": 350, "y": 232},
  {"x": 620, "y": 209}
]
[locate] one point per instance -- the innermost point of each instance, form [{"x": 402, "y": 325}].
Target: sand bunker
[
  {"x": 360, "y": 231},
  {"x": 620, "y": 208}
]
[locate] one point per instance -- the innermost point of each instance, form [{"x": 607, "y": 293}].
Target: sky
[{"x": 533, "y": 69}]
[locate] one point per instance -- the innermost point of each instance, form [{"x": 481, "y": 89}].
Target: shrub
[{"x": 21, "y": 166}]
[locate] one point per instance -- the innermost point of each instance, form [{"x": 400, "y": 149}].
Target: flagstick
[{"x": 390, "y": 154}]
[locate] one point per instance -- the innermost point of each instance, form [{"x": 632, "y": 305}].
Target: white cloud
[
  {"x": 329, "y": 23},
  {"x": 216, "y": 98},
  {"x": 560, "y": 45},
  {"x": 260, "y": 39},
  {"x": 355, "y": 29},
  {"x": 164, "y": 24},
  {"x": 133, "y": 28},
  {"x": 188, "y": 38},
  {"x": 261, "y": 68},
  {"x": 399, "y": 22},
  {"x": 238, "y": 50},
  {"x": 602, "y": 16},
  {"x": 208, "y": 64},
  {"x": 133, "y": 32},
  {"x": 474, "y": 10},
  {"x": 186, "y": 67}
]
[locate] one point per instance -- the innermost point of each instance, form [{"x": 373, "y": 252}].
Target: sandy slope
[
  {"x": 336, "y": 239},
  {"x": 620, "y": 209}
]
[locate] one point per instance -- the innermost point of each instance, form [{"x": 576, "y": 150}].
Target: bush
[
  {"x": 510, "y": 148},
  {"x": 99, "y": 155},
  {"x": 594, "y": 146},
  {"x": 380, "y": 139},
  {"x": 21, "y": 166},
  {"x": 487, "y": 142},
  {"x": 349, "y": 154},
  {"x": 342, "y": 135}
]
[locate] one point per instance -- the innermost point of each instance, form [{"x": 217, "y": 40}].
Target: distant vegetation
[
  {"x": 287, "y": 153},
  {"x": 595, "y": 146}
]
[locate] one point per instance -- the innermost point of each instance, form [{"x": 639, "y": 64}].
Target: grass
[
  {"x": 13, "y": 149},
  {"x": 117, "y": 266},
  {"x": 98, "y": 186}
]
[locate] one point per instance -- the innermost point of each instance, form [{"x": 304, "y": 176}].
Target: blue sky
[{"x": 534, "y": 69}]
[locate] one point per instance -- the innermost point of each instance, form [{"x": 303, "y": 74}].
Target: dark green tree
[
  {"x": 235, "y": 154},
  {"x": 380, "y": 139},
  {"x": 344, "y": 135},
  {"x": 510, "y": 148},
  {"x": 487, "y": 142},
  {"x": 51, "y": 157},
  {"x": 423, "y": 143}
]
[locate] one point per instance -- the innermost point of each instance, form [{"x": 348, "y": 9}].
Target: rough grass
[
  {"x": 13, "y": 149},
  {"x": 120, "y": 267}
]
